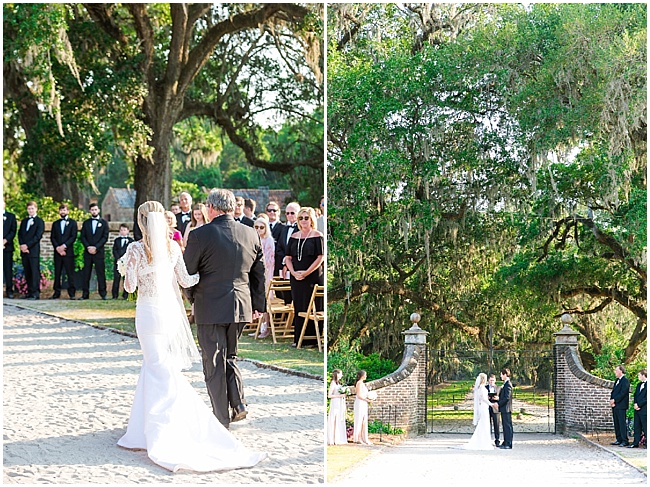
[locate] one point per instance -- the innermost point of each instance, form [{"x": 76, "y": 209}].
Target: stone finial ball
[
  {"x": 566, "y": 318},
  {"x": 415, "y": 318}
]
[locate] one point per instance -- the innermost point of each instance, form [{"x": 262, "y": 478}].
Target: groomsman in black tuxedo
[
  {"x": 184, "y": 216},
  {"x": 273, "y": 211},
  {"x": 493, "y": 397},
  {"x": 29, "y": 237},
  {"x": 505, "y": 407},
  {"x": 94, "y": 235},
  {"x": 281, "y": 249},
  {"x": 620, "y": 401},
  {"x": 9, "y": 228},
  {"x": 63, "y": 236},
  {"x": 640, "y": 411},
  {"x": 119, "y": 249}
]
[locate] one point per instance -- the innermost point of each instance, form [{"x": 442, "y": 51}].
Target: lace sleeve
[
  {"x": 131, "y": 260},
  {"x": 483, "y": 397},
  {"x": 182, "y": 276}
]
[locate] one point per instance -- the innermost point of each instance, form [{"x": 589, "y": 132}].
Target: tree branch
[
  {"x": 617, "y": 295},
  {"x": 102, "y": 15},
  {"x": 177, "y": 46}
]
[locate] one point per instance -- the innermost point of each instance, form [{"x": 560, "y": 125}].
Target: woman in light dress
[
  {"x": 361, "y": 410},
  {"x": 168, "y": 417},
  {"x": 336, "y": 430},
  {"x": 199, "y": 218},
  {"x": 263, "y": 229},
  {"x": 481, "y": 439}
]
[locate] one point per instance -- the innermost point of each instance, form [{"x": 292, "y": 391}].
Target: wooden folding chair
[
  {"x": 313, "y": 314},
  {"x": 280, "y": 314}
]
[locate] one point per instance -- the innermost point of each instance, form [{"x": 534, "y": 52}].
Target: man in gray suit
[{"x": 231, "y": 292}]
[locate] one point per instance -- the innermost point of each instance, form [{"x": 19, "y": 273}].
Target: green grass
[
  {"x": 534, "y": 396},
  {"x": 448, "y": 394},
  {"x": 120, "y": 315},
  {"x": 461, "y": 414}
]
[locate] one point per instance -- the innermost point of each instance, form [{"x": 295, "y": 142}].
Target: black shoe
[
  {"x": 10, "y": 295},
  {"x": 84, "y": 297},
  {"x": 55, "y": 296},
  {"x": 615, "y": 443},
  {"x": 505, "y": 447},
  {"x": 633, "y": 446},
  {"x": 72, "y": 298},
  {"x": 238, "y": 413},
  {"x": 104, "y": 298},
  {"x": 497, "y": 442},
  {"x": 32, "y": 298},
  {"x": 624, "y": 444}
]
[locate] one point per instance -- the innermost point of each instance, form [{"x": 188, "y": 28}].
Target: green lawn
[
  {"x": 538, "y": 397},
  {"x": 120, "y": 315},
  {"x": 448, "y": 394}
]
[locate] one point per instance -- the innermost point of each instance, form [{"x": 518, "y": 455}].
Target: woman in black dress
[{"x": 304, "y": 261}]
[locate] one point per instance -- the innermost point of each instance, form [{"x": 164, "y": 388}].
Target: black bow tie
[{"x": 95, "y": 218}]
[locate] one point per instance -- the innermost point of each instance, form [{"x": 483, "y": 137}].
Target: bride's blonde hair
[
  {"x": 143, "y": 211},
  {"x": 482, "y": 379}
]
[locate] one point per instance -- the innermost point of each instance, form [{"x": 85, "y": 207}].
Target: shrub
[
  {"x": 20, "y": 284},
  {"x": 349, "y": 359}
]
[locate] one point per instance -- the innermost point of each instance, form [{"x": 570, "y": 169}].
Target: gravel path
[
  {"x": 68, "y": 389},
  {"x": 539, "y": 459}
]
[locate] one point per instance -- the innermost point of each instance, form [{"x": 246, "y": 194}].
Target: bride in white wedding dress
[
  {"x": 168, "y": 418},
  {"x": 481, "y": 439}
]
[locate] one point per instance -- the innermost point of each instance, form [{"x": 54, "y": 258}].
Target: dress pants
[
  {"x": 494, "y": 419},
  {"x": 32, "y": 268},
  {"x": 8, "y": 271},
  {"x": 620, "y": 425},
  {"x": 60, "y": 263},
  {"x": 117, "y": 278},
  {"x": 222, "y": 376},
  {"x": 506, "y": 420},
  {"x": 100, "y": 269},
  {"x": 640, "y": 424}
]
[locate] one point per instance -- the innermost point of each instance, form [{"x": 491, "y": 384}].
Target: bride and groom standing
[
  {"x": 487, "y": 404},
  {"x": 223, "y": 268}
]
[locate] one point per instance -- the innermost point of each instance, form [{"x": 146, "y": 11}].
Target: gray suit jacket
[{"x": 228, "y": 256}]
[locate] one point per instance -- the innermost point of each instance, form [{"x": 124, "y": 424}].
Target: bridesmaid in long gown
[
  {"x": 361, "y": 410},
  {"x": 336, "y": 430},
  {"x": 168, "y": 417},
  {"x": 304, "y": 261}
]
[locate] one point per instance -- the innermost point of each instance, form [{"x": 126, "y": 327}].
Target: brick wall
[
  {"x": 581, "y": 399},
  {"x": 401, "y": 395}
]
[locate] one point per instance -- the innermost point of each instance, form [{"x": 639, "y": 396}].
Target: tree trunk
[{"x": 152, "y": 178}]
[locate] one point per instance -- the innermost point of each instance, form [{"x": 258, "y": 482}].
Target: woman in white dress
[
  {"x": 336, "y": 430},
  {"x": 481, "y": 439},
  {"x": 168, "y": 418},
  {"x": 361, "y": 410}
]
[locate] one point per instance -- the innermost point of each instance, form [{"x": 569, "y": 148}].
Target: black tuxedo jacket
[
  {"x": 118, "y": 249},
  {"x": 9, "y": 227},
  {"x": 67, "y": 237},
  {"x": 100, "y": 237},
  {"x": 249, "y": 222},
  {"x": 228, "y": 256},
  {"x": 282, "y": 247},
  {"x": 505, "y": 397},
  {"x": 276, "y": 231},
  {"x": 621, "y": 393},
  {"x": 32, "y": 238},
  {"x": 180, "y": 225},
  {"x": 640, "y": 396}
]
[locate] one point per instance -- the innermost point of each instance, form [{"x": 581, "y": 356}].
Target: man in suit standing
[
  {"x": 184, "y": 216},
  {"x": 239, "y": 212},
  {"x": 493, "y": 397},
  {"x": 620, "y": 401},
  {"x": 119, "y": 249},
  {"x": 640, "y": 411},
  {"x": 281, "y": 248},
  {"x": 29, "y": 237},
  {"x": 273, "y": 211},
  {"x": 505, "y": 407},
  {"x": 94, "y": 235},
  {"x": 231, "y": 293},
  {"x": 9, "y": 227},
  {"x": 63, "y": 236}
]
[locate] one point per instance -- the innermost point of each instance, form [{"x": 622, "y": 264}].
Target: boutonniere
[
  {"x": 67, "y": 223},
  {"x": 4, "y": 217},
  {"x": 99, "y": 225}
]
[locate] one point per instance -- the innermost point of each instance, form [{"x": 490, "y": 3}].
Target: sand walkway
[{"x": 68, "y": 389}]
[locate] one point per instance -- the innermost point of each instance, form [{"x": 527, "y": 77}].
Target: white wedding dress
[
  {"x": 168, "y": 418},
  {"x": 481, "y": 439}
]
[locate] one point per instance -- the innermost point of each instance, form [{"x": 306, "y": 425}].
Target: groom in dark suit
[
  {"x": 620, "y": 401},
  {"x": 231, "y": 292},
  {"x": 505, "y": 407}
]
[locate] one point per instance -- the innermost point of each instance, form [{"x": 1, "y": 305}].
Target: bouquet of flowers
[
  {"x": 344, "y": 390},
  {"x": 121, "y": 265},
  {"x": 372, "y": 396}
]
